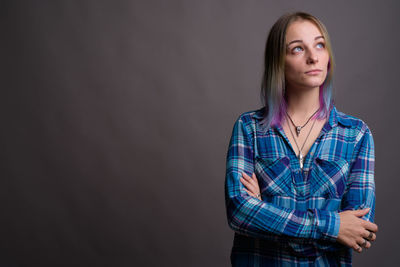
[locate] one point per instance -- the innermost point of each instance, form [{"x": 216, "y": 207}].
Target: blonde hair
[{"x": 273, "y": 82}]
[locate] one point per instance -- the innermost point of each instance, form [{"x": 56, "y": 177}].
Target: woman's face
[{"x": 306, "y": 60}]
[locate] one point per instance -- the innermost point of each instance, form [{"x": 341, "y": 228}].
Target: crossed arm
[{"x": 250, "y": 216}]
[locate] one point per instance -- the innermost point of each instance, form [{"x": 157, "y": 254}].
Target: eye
[
  {"x": 320, "y": 45},
  {"x": 297, "y": 49}
]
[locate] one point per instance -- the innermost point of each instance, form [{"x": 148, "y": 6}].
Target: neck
[{"x": 301, "y": 104}]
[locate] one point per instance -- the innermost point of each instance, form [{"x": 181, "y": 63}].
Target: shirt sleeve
[
  {"x": 249, "y": 216},
  {"x": 360, "y": 192}
]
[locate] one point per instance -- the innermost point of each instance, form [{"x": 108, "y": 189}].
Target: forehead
[{"x": 302, "y": 30}]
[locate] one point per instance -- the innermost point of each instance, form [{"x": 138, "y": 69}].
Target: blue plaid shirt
[{"x": 297, "y": 222}]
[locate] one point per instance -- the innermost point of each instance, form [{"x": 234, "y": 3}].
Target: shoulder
[
  {"x": 356, "y": 125},
  {"x": 251, "y": 116},
  {"x": 246, "y": 122}
]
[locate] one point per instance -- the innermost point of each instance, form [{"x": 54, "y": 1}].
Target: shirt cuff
[{"x": 328, "y": 224}]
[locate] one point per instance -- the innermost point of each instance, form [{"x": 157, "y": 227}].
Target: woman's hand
[
  {"x": 251, "y": 184},
  {"x": 355, "y": 232}
]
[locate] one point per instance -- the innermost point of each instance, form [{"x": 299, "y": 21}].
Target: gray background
[{"x": 116, "y": 116}]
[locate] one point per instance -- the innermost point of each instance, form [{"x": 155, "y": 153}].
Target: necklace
[
  {"x": 298, "y": 128},
  {"x": 301, "y": 157}
]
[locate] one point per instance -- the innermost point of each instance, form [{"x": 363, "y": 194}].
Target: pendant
[
  {"x": 298, "y": 129},
  {"x": 301, "y": 160}
]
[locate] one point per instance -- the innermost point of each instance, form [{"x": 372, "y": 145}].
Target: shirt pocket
[
  {"x": 274, "y": 176},
  {"x": 328, "y": 178}
]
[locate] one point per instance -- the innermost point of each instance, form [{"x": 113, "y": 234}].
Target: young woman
[{"x": 300, "y": 174}]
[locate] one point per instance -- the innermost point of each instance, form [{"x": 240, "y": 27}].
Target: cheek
[
  {"x": 291, "y": 68},
  {"x": 325, "y": 60},
  {"x": 292, "y": 76},
  {"x": 293, "y": 72},
  {"x": 288, "y": 72}
]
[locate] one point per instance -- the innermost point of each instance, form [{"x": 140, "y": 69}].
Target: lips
[{"x": 313, "y": 72}]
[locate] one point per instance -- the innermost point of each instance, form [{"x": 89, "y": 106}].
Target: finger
[
  {"x": 247, "y": 177},
  {"x": 248, "y": 185},
  {"x": 365, "y": 234},
  {"x": 370, "y": 226},
  {"x": 254, "y": 182},
  {"x": 251, "y": 179},
  {"x": 251, "y": 184},
  {"x": 254, "y": 177},
  {"x": 373, "y": 238},
  {"x": 357, "y": 248},
  {"x": 245, "y": 182},
  {"x": 250, "y": 193},
  {"x": 360, "y": 213},
  {"x": 363, "y": 243},
  {"x": 368, "y": 235},
  {"x": 254, "y": 195}
]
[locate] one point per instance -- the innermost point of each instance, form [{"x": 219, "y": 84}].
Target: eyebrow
[{"x": 300, "y": 41}]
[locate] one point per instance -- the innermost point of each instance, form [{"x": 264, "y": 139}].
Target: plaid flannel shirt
[{"x": 297, "y": 222}]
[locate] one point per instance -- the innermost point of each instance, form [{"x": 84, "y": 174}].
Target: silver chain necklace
[
  {"x": 300, "y": 156},
  {"x": 298, "y": 128}
]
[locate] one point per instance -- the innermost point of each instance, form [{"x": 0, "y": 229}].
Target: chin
[{"x": 315, "y": 83}]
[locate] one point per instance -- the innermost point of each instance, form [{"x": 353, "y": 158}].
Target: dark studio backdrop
[{"x": 116, "y": 117}]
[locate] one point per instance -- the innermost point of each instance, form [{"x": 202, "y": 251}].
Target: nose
[{"x": 312, "y": 58}]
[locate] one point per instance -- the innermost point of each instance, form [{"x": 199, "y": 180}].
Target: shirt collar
[
  {"x": 259, "y": 114},
  {"x": 335, "y": 118}
]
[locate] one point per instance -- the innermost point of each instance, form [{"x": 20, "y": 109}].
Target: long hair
[{"x": 273, "y": 82}]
